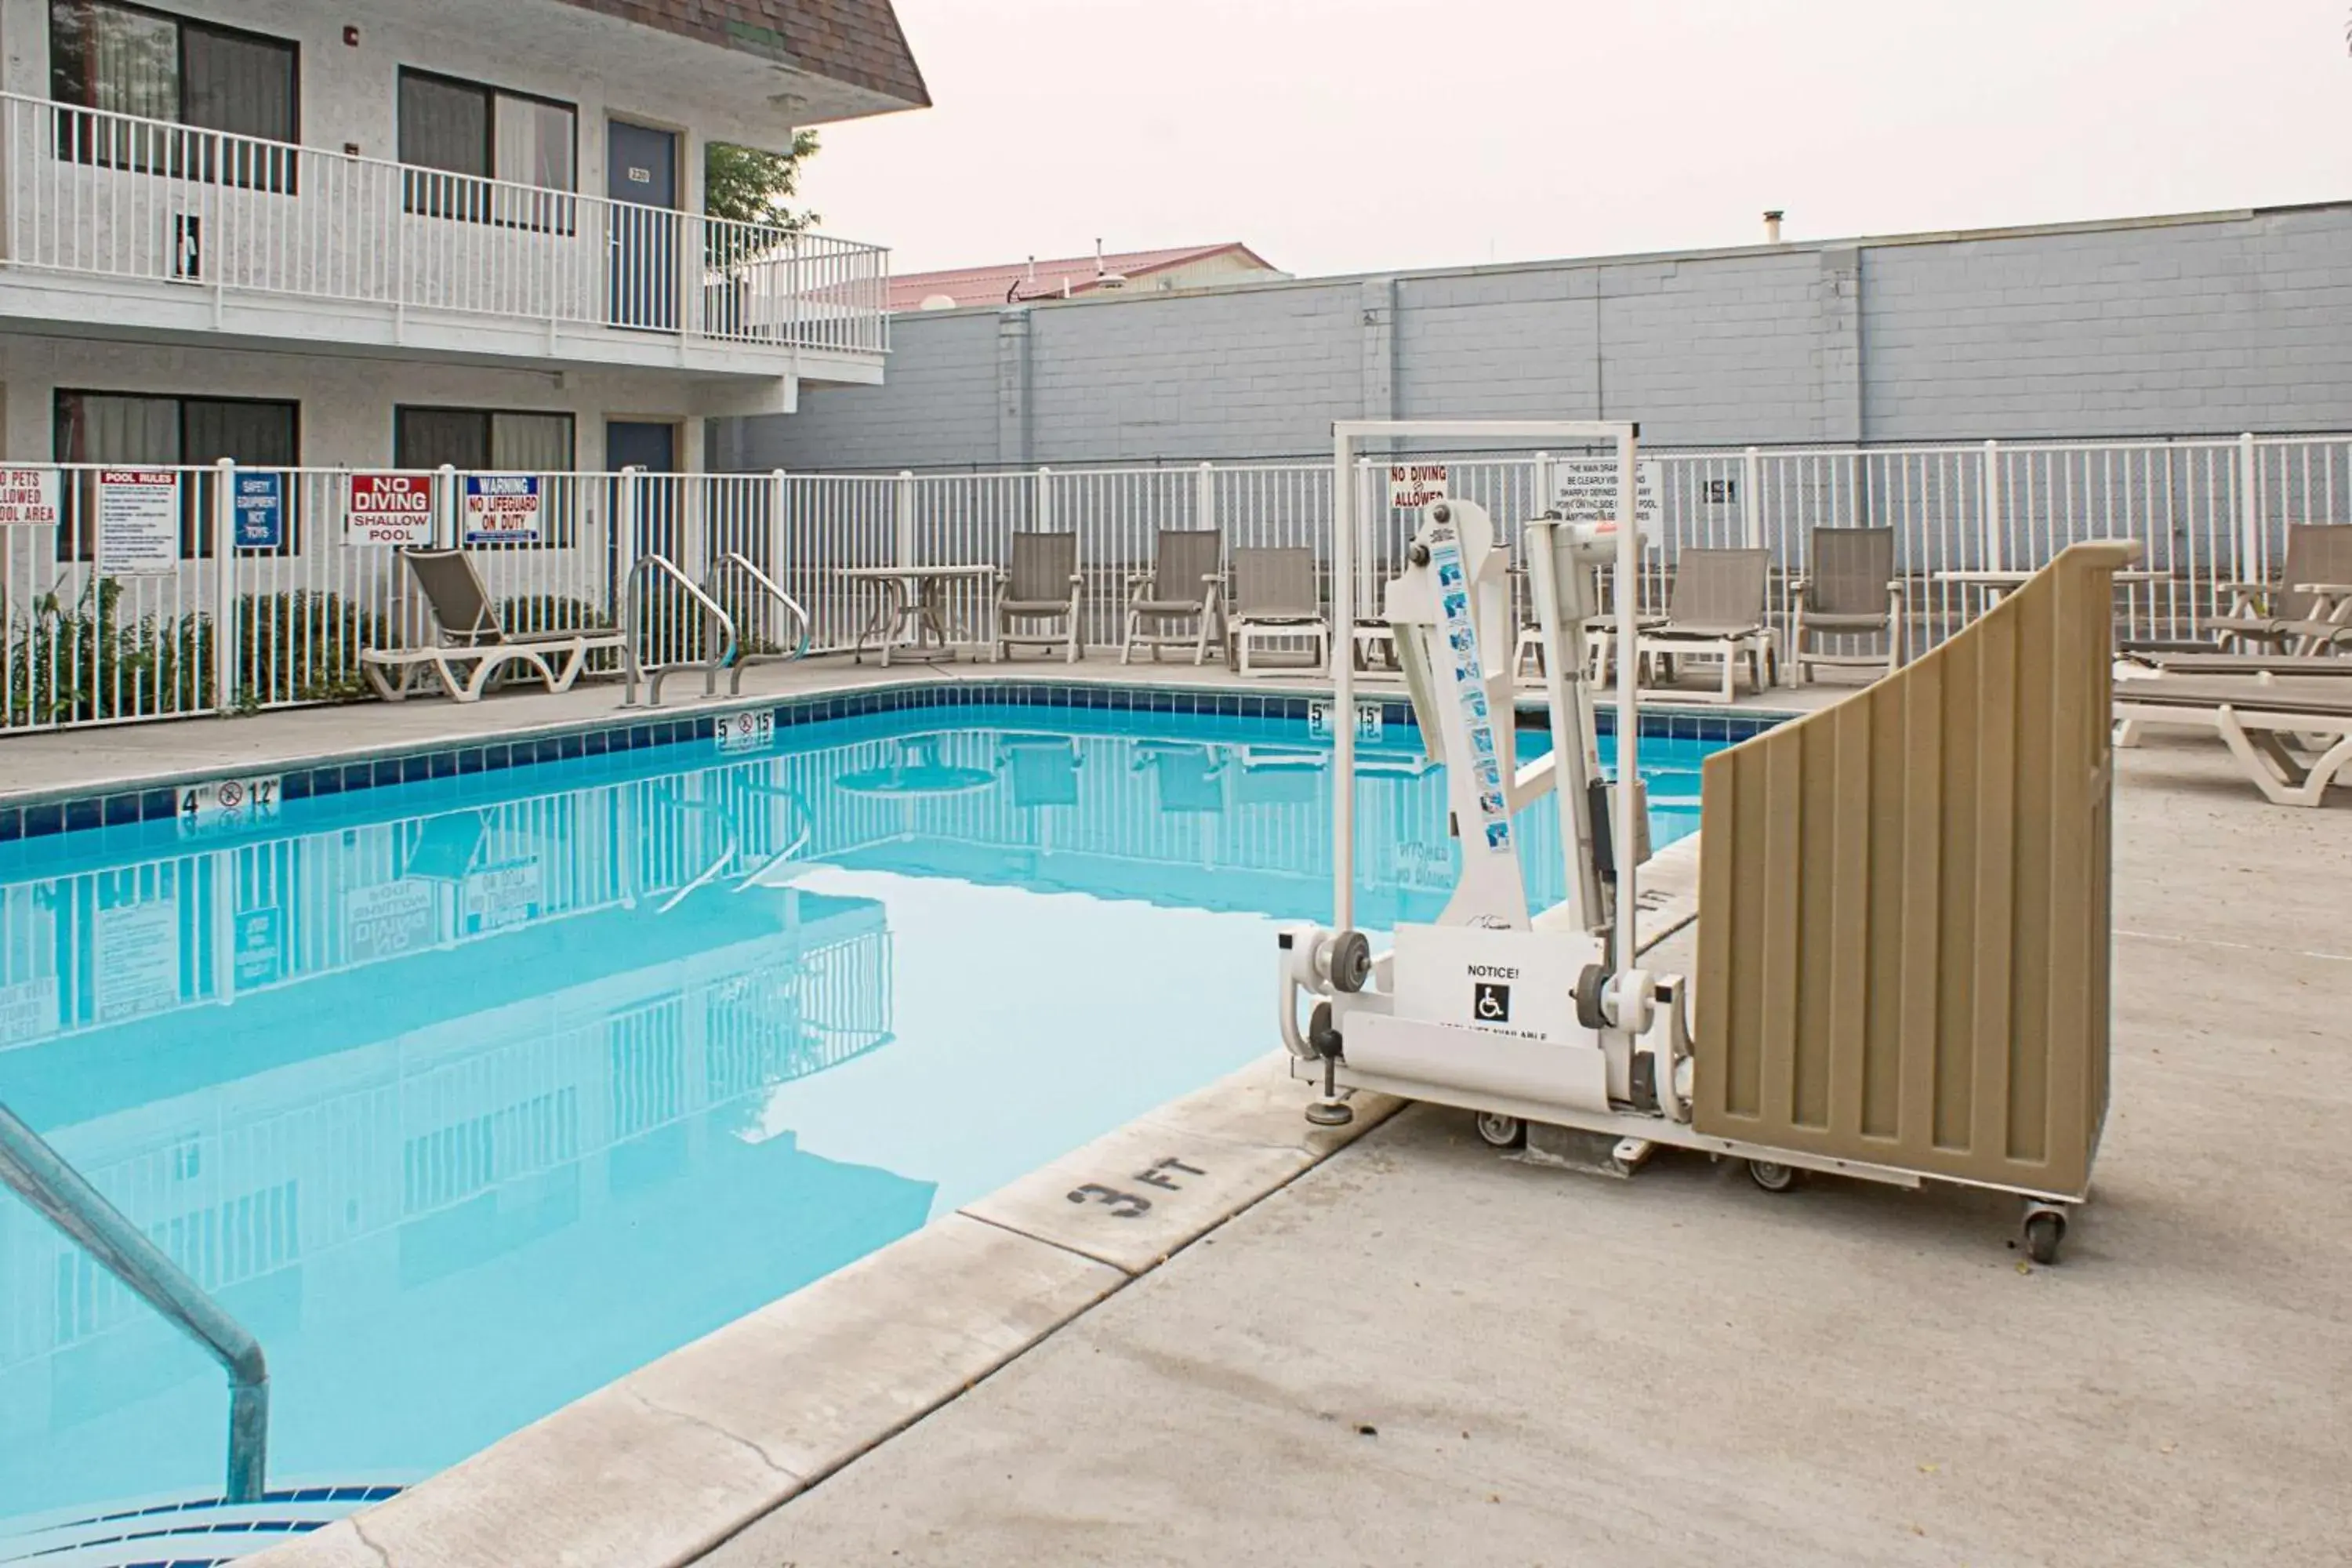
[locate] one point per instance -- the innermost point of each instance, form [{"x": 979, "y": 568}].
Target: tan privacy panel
[{"x": 1903, "y": 906}]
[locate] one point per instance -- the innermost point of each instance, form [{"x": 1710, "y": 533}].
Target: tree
[{"x": 753, "y": 187}]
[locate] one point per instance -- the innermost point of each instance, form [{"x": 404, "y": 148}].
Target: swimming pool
[{"x": 471, "y": 1094}]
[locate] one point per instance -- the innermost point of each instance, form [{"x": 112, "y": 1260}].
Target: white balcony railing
[{"x": 113, "y": 196}]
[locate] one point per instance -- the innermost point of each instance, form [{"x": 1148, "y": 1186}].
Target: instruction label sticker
[
  {"x": 746, "y": 731},
  {"x": 1414, "y": 485},
  {"x": 1585, "y": 490},
  {"x": 1494, "y": 827},
  {"x": 224, "y": 805},
  {"x": 1320, "y": 727},
  {"x": 29, "y": 496},
  {"x": 138, "y": 522}
]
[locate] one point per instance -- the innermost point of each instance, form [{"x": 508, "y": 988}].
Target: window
[
  {"x": 456, "y": 136},
  {"x": 123, "y": 67},
  {"x": 170, "y": 432},
  {"x": 482, "y": 440}
]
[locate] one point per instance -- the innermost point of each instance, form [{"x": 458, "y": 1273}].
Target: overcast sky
[{"x": 1348, "y": 135}]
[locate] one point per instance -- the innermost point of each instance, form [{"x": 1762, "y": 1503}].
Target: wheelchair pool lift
[
  {"x": 1543, "y": 1022},
  {"x": 1524, "y": 1016}
]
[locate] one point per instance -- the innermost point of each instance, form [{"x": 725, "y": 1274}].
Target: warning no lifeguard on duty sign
[{"x": 389, "y": 508}]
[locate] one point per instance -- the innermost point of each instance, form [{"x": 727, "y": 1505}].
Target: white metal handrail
[
  {"x": 637, "y": 668},
  {"x": 92, "y": 192},
  {"x": 47, "y": 1180},
  {"x": 736, "y": 562}
]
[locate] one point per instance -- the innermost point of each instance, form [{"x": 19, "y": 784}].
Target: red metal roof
[{"x": 997, "y": 284}]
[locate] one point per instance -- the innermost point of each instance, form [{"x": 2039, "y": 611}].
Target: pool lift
[{"x": 1542, "y": 1016}]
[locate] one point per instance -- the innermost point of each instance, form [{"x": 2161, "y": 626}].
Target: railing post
[
  {"x": 1205, "y": 498},
  {"x": 445, "y": 518},
  {"x": 1992, "y": 550},
  {"x": 2250, "y": 515},
  {"x": 225, "y": 604},
  {"x": 1751, "y": 501},
  {"x": 902, "y": 544}
]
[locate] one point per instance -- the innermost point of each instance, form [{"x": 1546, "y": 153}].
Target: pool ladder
[
  {"x": 720, "y": 633},
  {"x": 45, "y": 1179}
]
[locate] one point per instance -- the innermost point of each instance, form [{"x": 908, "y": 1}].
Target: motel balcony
[{"x": 122, "y": 227}]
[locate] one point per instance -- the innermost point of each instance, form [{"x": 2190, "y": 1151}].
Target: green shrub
[{"x": 81, "y": 662}]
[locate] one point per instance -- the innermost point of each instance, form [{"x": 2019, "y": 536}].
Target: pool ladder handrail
[
  {"x": 49, "y": 1182},
  {"x": 737, "y": 562},
  {"x": 635, "y": 670}
]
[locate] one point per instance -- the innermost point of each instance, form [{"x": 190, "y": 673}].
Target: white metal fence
[
  {"x": 115, "y": 196},
  {"x": 203, "y": 624}
]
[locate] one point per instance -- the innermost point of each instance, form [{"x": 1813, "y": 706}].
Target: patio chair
[
  {"x": 1848, "y": 590},
  {"x": 2270, "y": 723},
  {"x": 2308, "y": 606},
  {"x": 1040, "y": 586},
  {"x": 1044, "y": 768},
  {"x": 1276, "y": 596},
  {"x": 2204, "y": 661},
  {"x": 1186, "y": 583},
  {"x": 470, "y": 647},
  {"x": 1716, "y": 611}
]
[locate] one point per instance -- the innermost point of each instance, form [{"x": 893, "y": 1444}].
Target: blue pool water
[{"x": 468, "y": 1097}]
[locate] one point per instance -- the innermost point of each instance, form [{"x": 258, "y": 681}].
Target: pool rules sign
[{"x": 389, "y": 508}]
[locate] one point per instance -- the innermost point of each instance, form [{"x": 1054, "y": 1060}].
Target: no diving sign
[
  {"x": 389, "y": 508},
  {"x": 1413, "y": 486}
]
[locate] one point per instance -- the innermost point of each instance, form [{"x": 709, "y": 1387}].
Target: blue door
[
  {"x": 635, "y": 444},
  {"x": 641, "y": 177}
]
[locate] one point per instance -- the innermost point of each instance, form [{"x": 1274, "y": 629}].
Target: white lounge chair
[
  {"x": 1276, "y": 596},
  {"x": 1040, "y": 586},
  {"x": 1186, "y": 585},
  {"x": 471, "y": 649},
  {"x": 2273, "y": 725},
  {"x": 1716, "y": 611}
]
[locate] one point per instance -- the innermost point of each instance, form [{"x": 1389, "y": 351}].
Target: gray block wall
[{"x": 2208, "y": 324}]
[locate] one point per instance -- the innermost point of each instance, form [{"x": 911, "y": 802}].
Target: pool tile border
[{"x": 67, "y": 811}]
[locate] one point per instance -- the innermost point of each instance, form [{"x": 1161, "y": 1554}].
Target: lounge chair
[
  {"x": 2204, "y": 661},
  {"x": 2268, "y": 722},
  {"x": 1849, "y": 590},
  {"x": 1041, "y": 586},
  {"x": 1716, "y": 611},
  {"x": 1186, "y": 583},
  {"x": 1276, "y": 596},
  {"x": 2310, "y": 604},
  {"x": 471, "y": 649}
]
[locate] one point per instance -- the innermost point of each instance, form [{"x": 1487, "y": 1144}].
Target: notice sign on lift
[
  {"x": 28, "y": 495},
  {"x": 1413, "y": 486},
  {"x": 138, "y": 522},
  {"x": 389, "y": 508},
  {"x": 502, "y": 509}
]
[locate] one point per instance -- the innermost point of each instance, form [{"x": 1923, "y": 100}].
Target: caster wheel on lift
[
  {"x": 1501, "y": 1131},
  {"x": 2044, "y": 1230},
  {"x": 1772, "y": 1176}
]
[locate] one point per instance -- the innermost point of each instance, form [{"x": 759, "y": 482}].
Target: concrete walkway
[{"x": 1418, "y": 1352}]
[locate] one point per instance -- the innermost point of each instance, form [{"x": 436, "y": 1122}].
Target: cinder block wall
[{"x": 2207, "y": 324}]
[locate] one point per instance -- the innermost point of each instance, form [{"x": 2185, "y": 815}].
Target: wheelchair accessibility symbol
[{"x": 1491, "y": 1003}]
